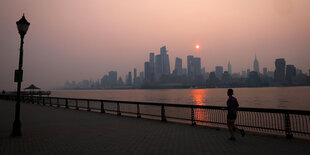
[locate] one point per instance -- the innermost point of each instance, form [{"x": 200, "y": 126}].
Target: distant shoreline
[{"x": 171, "y": 88}]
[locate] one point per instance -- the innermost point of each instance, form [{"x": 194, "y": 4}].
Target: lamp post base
[{"x": 16, "y": 129}]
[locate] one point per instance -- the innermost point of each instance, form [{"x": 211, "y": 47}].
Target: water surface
[{"x": 267, "y": 97}]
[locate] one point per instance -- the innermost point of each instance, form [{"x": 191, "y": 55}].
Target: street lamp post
[{"x": 22, "y": 26}]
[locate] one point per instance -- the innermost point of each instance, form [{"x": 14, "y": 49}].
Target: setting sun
[{"x": 197, "y": 46}]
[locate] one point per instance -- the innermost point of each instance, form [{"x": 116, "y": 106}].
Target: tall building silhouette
[
  {"x": 298, "y": 71},
  {"x": 193, "y": 67},
  {"x": 152, "y": 67},
  {"x": 279, "y": 73},
  {"x": 162, "y": 65},
  {"x": 112, "y": 77},
  {"x": 134, "y": 76},
  {"x": 190, "y": 67},
  {"x": 178, "y": 66},
  {"x": 158, "y": 66},
  {"x": 265, "y": 71},
  {"x": 197, "y": 66},
  {"x": 165, "y": 59},
  {"x": 147, "y": 71},
  {"x": 229, "y": 68},
  {"x": 248, "y": 72},
  {"x": 142, "y": 76},
  {"x": 290, "y": 73},
  {"x": 129, "y": 79},
  {"x": 120, "y": 81},
  {"x": 219, "y": 72},
  {"x": 110, "y": 80},
  {"x": 256, "y": 65}
]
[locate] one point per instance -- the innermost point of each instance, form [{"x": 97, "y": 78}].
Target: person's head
[{"x": 230, "y": 92}]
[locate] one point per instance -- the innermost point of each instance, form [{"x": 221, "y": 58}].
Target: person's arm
[
  {"x": 227, "y": 103},
  {"x": 237, "y": 103}
]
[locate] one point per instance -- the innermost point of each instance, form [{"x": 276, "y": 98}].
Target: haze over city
[{"x": 75, "y": 40}]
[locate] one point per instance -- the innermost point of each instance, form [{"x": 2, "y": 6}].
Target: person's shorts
[{"x": 231, "y": 117}]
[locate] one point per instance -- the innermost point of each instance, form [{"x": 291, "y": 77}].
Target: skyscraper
[
  {"x": 265, "y": 71},
  {"x": 256, "y": 65},
  {"x": 193, "y": 67},
  {"x": 134, "y": 76},
  {"x": 147, "y": 71},
  {"x": 162, "y": 65},
  {"x": 158, "y": 66},
  {"x": 142, "y": 76},
  {"x": 219, "y": 72},
  {"x": 178, "y": 66},
  {"x": 151, "y": 57},
  {"x": 165, "y": 59},
  {"x": 112, "y": 78},
  {"x": 298, "y": 71},
  {"x": 197, "y": 67},
  {"x": 279, "y": 73},
  {"x": 248, "y": 72},
  {"x": 229, "y": 68},
  {"x": 152, "y": 67},
  {"x": 290, "y": 73},
  {"x": 129, "y": 79},
  {"x": 190, "y": 67}
]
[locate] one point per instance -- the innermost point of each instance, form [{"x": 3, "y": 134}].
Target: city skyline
[
  {"x": 157, "y": 75},
  {"x": 77, "y": 40}
]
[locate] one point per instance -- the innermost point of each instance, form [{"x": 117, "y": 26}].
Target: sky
[{"x": 78, "y": 39}]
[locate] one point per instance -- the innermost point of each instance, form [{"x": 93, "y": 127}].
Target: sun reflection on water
[{"x": 199, "y": 98}]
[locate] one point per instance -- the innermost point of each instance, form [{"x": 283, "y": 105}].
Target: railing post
[
  {"x": 288, "y": 131},
  {"x": 193, "y": 116},
  {"x": 118, "y": 109},
  {"x": 76, "y": 105},
  {"x": 43, "y": 101},
  {"x": 58, "y": 105},
  {"x": 138, "y": 111},
  {"x": 28, "y": 99},
  {"x": 163, "y": 114},
  {"x": 50, "y": 101},
  {"x": 38, "y": 102},
  {"x": 67, "y": 106},
  {"x": 32, "y": 101},
  {"x": 102, "y": 107},
  {"x": 88, "y": 108}
]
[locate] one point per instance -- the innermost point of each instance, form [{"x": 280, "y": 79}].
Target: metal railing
[{"x": 272, "y": 121}]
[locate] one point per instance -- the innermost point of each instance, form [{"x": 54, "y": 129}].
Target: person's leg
[
  {"x": 230, "y": 128},
  {"x": 240, "y": 130},
  {"x": 234, "y": 127}
]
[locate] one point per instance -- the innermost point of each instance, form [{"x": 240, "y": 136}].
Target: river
[{"x": 267, "y": 97}]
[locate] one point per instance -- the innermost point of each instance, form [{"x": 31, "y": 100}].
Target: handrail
[
  {"x": 274, "y": 121},
  {"x": 271, "y": 110}
]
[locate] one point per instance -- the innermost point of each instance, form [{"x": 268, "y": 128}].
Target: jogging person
[{"x": 232, "y": 105}]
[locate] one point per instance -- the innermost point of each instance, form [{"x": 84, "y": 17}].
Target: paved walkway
[{"x": 51, "y": 130}]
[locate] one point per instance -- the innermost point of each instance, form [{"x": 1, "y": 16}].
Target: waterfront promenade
[{"x": 51, "y": 130}]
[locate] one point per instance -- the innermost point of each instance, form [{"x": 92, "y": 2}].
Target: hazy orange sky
[{"x": 75, "y": 39}]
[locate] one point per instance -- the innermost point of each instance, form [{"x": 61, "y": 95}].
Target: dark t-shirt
[{"x": 232, "y": 105}]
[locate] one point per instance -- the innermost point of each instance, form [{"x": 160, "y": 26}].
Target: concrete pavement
[{"x": 51, "y": 130}]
